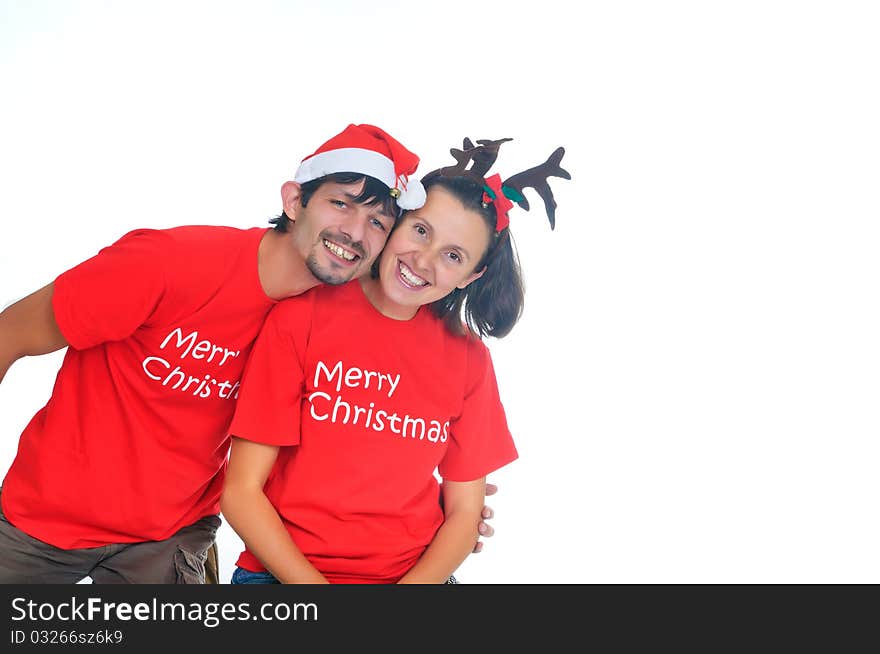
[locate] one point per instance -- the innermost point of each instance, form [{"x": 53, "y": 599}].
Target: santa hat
[{"x": 368, "y": 150}]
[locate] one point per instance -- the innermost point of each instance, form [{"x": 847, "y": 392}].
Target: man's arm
[
  {"x": 28, "y": 328},
  {"x": 462, "y": 502}
]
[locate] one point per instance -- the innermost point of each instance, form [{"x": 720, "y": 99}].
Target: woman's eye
[
  {"x": 420, "y": 230},
  {"x": 454, "y": 257}
]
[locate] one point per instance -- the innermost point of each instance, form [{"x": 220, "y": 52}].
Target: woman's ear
[{"x": 472, "y": 278}]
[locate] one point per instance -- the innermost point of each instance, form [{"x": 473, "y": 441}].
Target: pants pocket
[{"x": 190, "y": 566}]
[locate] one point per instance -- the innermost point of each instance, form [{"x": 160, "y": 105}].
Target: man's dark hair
[{"x": 373, "y": 193}]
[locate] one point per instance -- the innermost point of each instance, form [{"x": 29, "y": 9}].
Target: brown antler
[
  {"x": 482, "y": 155},
  {"x": 536, "y": 178},
  {"x": 485, "y": 155},
  {"x": 462, "y": 159}
]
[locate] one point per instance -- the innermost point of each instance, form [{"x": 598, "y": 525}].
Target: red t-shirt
[
  {"x": 133, "y": 443},
  {"x": 373, "y": 406}
]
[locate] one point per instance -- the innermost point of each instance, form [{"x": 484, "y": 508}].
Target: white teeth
[
  {"x": 410, "y": 277},
  {"x": 338, "y": 251}
]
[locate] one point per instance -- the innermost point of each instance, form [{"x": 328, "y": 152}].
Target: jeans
[{"x": 242, "y": 576}]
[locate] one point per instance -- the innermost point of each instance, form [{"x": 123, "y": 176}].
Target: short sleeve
[
  {"x": 268, "y": 406},
  {"x": 106, "y": 298},
  {"x": 480, "y": 441}
]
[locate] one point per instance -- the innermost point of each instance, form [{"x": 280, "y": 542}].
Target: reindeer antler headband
[{"x": 500, "y": 194}]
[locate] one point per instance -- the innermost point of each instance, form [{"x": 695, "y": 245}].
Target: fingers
[{"x": 486, "y": 530}]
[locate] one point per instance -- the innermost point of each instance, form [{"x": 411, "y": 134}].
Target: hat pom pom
[{"x": 413, "y": 197}]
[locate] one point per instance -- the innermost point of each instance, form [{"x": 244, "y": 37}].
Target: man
[{"x": 118, "y": 477}]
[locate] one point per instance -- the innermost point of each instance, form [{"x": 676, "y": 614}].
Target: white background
[{"x": 694, "y": 385}]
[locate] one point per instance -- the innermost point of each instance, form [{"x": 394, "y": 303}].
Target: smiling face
[
  {"x": 433, "y": 251},
  {"x": 337, "y": 237}
]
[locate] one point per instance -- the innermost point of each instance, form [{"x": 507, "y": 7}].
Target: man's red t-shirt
[
  {"x": 370, "y": 408},
  {"x": 132, "y": 445}
]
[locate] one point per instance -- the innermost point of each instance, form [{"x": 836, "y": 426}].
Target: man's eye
[
  {"x": 338, "y": 203},
  {"x": 454, "y": 257},
  {"x": 378, "y": 223}
]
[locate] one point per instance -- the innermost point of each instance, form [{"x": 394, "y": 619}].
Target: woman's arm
[
  {"x": 255, "y": 520},
  {"x": 462, "y": 502}
]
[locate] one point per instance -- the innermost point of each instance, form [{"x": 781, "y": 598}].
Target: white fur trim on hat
[{"x": 366, "y": 162}]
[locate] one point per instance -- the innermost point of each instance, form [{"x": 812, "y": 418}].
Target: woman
[{"x": 354, "y": 395}]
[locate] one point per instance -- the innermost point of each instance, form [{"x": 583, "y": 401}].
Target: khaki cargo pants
[{"x": 187, "y": 557}]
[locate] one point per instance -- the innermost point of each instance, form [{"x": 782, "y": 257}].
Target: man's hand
[{"x": 485, "y": 528}]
